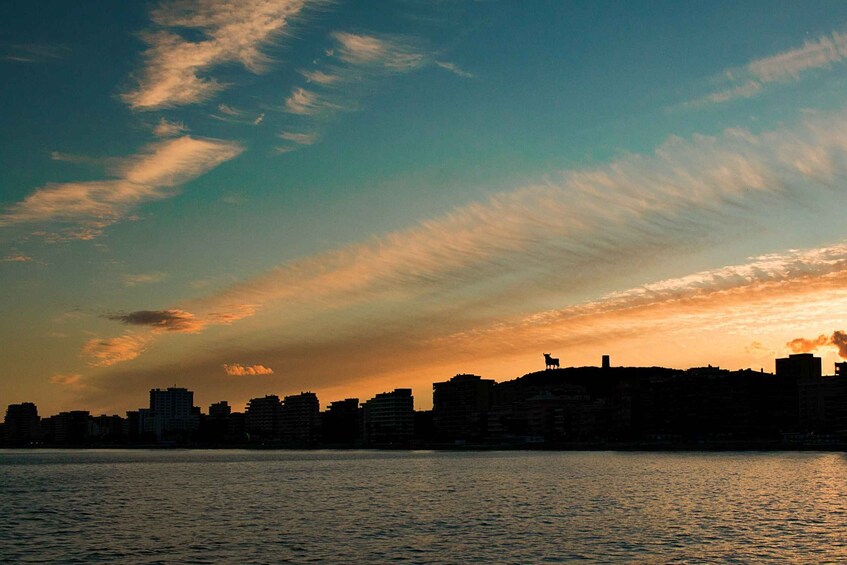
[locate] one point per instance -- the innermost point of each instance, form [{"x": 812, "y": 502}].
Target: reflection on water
[{"x": 507, "y": 507}]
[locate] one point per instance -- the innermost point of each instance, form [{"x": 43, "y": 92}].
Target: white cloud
[
  {"x": 453, "y": 68},
  {"x": 144, "y": 278},
  {"x": 153, "y": 174},
  {"x": 749, "y": 81},
  {"x": 300, "y": 138},
  {"x": 305, "y": 103},
  {"x": 629, "y": 212},
  {"x": 167, "y": 128},
  {"x": 176, "y": 70},
  {"x": 393, "y": 53}
]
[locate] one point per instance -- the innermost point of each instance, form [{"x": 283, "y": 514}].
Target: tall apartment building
[
  {"x": 22, "y": 424},
  {"x": 460, "y": 408},
  {"x": 340, "y": 423},
  {"x": 263, "y": 418},
  {"x": 171, "y": 414},
  {"x": 389, "y": 418},
  {"x": 300, "y": 419}
]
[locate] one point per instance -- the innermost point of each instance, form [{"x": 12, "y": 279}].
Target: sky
[{"x": 275, "y": 196}]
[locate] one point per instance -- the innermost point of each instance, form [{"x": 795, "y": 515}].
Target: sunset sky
[{"x": 271, "y": 196}]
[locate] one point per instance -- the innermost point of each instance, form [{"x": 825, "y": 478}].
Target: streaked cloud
[
  {"x": 77, "y": 159},
  {"x": 238, "y": 370},
  {"x": 17, "y": 258},
  {"x": 662, "y": 322},
  {"x": 105, "y": 352},
  {"x": 165, "y": 128},
  {"x": 393, "y": 53},
  {"x": 466, "y": 283},
  {"x": 306, "y": 103},
  {"x": 110, "y": 351},
  {"x": 576, "y": 223},
  {"x": 300, "y": 138},
  {"x": 229, "y": 110},
  {"x": 351, "y": 67},
  {"x": 35, "y": 52},
  {"x": 487, "y": 261},
  {"x": 749, "y": 80},
  {"x": 320, "y": 77},
  {"x": 144, "y": 278},
  {"x": 161, "y": 320},
  {"x": 66, "y": 379},
  {"x": 453, "y": 68},
  {"x": 177, "y": 69},
  {"x": 153, "y": 174}
]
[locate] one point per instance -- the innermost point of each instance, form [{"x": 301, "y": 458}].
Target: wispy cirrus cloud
[
  {"x": 177, "y": 69},
  {"x": 166, "y": 128},
  {"x": 238, "y": 370},
  {"x": 66, "y": 379},
  {"x": 136, "y": 279},
  {"x": 105, "y": 352},
  {"x": 153, "y": 174},
  {"x": 572, "y": 225},
  {"x": 352, "y": 66},
  {"x": 553, "y": 242},
  {"x": 17, "y": 258},
  {"x": 767, "y": 295},
  {"x": 35, "y": 52},
  {"x": 391, "y": 53},
  {"x": 751, "y": 79},
  {"x": 300, "y": 138},
  {"x": 455, "y": 69}
]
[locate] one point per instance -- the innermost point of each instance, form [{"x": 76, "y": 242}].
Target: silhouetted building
[
  {"x": 220, "y": 409},
  {"x": 236, "y": 428},
  {"x": 69, "y": 428},
  {"x": 460, "y": 408},
  {"x": 215, "y": 427},
  {"x": 801, "y": 366},
  {"x": 424, "y": 428},
  {"x": 22, "y": 424},
  {"x": 171, "y": 415},
  {"x": 263, "y": 417},
  {"x": 107, "y": 429},
  {"x": 301, "y": 419},
  {"x": 132, "y": 426},
  {"x": 340, "y": 422},
  {"x": 607, "y": 363},
  {"x": 822, "y": 400},
  {"x": 389, "y": 418}
]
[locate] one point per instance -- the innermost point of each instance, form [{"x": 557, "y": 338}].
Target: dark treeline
[{"x": 571, "y": 408}]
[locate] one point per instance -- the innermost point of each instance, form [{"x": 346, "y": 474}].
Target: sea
[{"x": 218, "y": 506}]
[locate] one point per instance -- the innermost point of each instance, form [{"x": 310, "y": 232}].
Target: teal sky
[{"x": 271, "y": 196}]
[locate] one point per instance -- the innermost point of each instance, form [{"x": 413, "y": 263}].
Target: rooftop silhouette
[{"x": 572, "y": 407}]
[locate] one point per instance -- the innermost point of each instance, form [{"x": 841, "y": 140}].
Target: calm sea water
[{"x": 421, "y": 507}]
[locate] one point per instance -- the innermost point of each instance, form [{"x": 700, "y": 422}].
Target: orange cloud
[
  {"x": 70, "y": 379},
  {"x": 802, "y": 345},
  {"x": 236, "y": 369},
  {"x": 105, "y": 352},
  {"x": 162, "y": 320}
]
